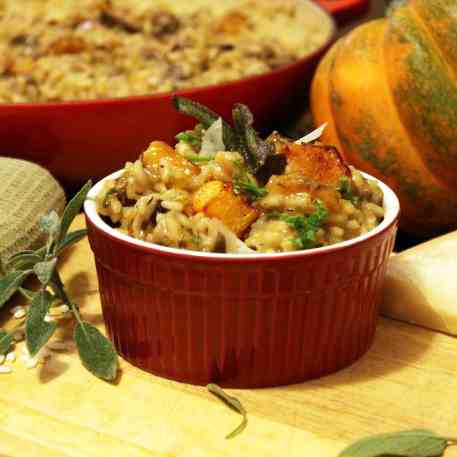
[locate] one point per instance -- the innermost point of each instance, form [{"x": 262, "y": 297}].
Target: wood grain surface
[{"x": 407, "y": 379}]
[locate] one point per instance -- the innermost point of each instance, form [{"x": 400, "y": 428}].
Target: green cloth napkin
[{"x": 27, "y": 192}]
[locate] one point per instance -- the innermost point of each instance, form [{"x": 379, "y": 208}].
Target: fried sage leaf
[
  {"x": 96, "y": 351},
  {"x": 254, "y": 150},
  {"x": 242, "y": 147},
  {"x": 10, "y": 283},
  {"x": 206, "y": 117},
  {"x": 5, "y": 342},
  {"x": 411, "y": 443},
  {"x": 275, "y": 164},
  {"x": 37, "y": 330},
  {"x": 233, "y": 403}
]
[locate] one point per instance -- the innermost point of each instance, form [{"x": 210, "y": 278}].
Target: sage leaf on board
[
  {"x": 411, "y": 443},
  {"x": 71, "y": 239},
  {"x": 10, "y": 283},
  {"x": 5, "y": 342},
  {"x": 37, "y": 330},
  {"x": 72, "y": 210},
  {"x": 233, "y": 403},
  {"x": 96, "y": 351},
  {"x": 45, "y": 270}
]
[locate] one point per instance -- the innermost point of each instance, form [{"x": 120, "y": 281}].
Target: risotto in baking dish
[
  {"x": 58, "y": 50},
  {"x": 224, "y": 189}
]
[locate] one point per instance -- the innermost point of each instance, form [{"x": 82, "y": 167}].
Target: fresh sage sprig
[
  {"x": 37, "y": 330},
  {"x": 410, "y": 443},
  {"x": 10, "y": 283},
  {"x": 232, "y": 403},
  {"x": 95, "y": 350}
]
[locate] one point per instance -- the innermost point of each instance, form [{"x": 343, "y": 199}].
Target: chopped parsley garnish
[
  {"x": 250, "y": 190},
  {"x": 196, "y": 239},
  {"x": 345, "y": 189},
  {"x": 244, "y": 185},
  {"x": 195, "y": 158},
  {"x": 306, "y": 226},
  {"x": 188, "y": 137}
]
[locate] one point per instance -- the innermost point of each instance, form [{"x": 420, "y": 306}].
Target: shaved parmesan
[
  {"x": 312, "y": 136},
  {"x": 421, "y": 286},
  {"x": 212, "y": 140},
  {"x": 233, "y": 244}
]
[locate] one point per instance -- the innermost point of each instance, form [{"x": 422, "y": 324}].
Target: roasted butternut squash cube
[
  {"x": 205, "y": 194},
  {"x": 232, "y": 211},
  {"x": 322, "y": 164},
  {"x": 330, "y": 197},
  {"x": 159, "y": 150}
]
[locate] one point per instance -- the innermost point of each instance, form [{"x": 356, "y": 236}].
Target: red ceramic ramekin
[
  {"x": 247, "y": 320},
  {"x": 79, "y": 140}
]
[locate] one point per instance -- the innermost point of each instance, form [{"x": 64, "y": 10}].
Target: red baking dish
[
  {"x": 241, "y": 320},
  {"x": 344, "y": 9},
  {"x": 88, "y": 139}
]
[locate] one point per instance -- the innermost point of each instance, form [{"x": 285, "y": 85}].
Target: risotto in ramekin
[{"x": 223, "y": 189}]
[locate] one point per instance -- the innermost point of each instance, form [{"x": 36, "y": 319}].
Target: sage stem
[{"x": 57, "y": 286}]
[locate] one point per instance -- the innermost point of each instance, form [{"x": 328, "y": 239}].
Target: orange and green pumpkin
[{"x": 389, "y": 93}]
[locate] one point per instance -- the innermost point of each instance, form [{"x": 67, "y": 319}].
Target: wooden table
[{"x": 408, "y": 379}]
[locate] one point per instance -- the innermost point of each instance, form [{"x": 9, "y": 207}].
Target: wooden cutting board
[{"x": 408, "y": 379}]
